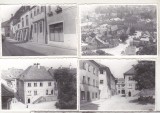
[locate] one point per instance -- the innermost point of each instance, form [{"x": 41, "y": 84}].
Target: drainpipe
[{"x": 46, "y": 30}]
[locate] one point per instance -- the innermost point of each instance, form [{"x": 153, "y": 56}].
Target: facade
[
  {"x": 5, "y": 28},
  {"x": 61, "y": 25},
  {"x": 120, "y": 86},
  {"x": 89, "y": 81},
  {"x": 106, "y": 82},
  {"x": 35, "y": 85},
  {"x": 130, "y": 84},
  {"x": 38, "y": 24}
]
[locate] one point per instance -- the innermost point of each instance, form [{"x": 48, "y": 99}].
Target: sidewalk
[{"x": 12, "y": 47}]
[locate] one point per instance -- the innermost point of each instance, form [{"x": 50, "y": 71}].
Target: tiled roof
[
  {"x": 6, "y": 91},
  {"x": 130, "y": 72},
  {"x": 36, "y": 73}
]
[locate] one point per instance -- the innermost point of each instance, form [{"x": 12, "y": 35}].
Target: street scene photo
[
  {"x": 119, "y": 85},
  {"x": 47, "y": 30},
  {"x": 39, "y": 84},
  {"x": 118, "y": 30}
]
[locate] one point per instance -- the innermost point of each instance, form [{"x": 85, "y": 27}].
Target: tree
[
  {"x": 66, "y": 84},
  {"x": 132, "y": 31},
  {"x": 148, "y": 50},
  {"x": 145, "y": 75},
  {"x": 123, "y": 37}
]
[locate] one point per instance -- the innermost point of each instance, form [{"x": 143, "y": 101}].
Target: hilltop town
[{"x": 119, "y": 30}]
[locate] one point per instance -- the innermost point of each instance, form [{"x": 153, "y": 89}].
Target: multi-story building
[
  {"x": 120, "y": 86},
  {"x": 106, "y": 82},
  {"x": 61, "y": 25},
  {"x": 35, "y": 84},
  {"x": 130, "y": 84},
  {"x": 5, "y": 28},
  {"x": 38, "y": 24},
  {"x": 89, "y": 81}
]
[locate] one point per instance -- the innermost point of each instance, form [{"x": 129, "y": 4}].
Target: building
[
  {"x": 7, "y": 94},
  {"x": 35, "y": 85},
  {"x": 10, "y": 77},
  {"x": 120, "y": 86},
  {"x": 17, "y": 23},
  {"x": 130, "y": 84},
  {"x": 106, "y": 82},
  {"x": 61, "y": 25},
  {"x": 38, "y": 24},
  {"x": 5, "y": 28},
  {"x": 89, "y": 81}
]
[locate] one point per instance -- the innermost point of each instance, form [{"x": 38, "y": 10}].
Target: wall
[
  {"x": 89, "y": 87},
  {"x": 68, "y": 17},
  {"x": 41, "y": 91}
]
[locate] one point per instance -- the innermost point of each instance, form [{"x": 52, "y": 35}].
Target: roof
[
  {"x": 130, "y": 71},
  {"x": 5, "y": 24},
  {"x": 6, "y": 92},
  {"x": 36, "y": 73}
]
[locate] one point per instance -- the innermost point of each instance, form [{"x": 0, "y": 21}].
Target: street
[
  {"x": 117, "y": 103},
  {"x": 12, "y": 47}
]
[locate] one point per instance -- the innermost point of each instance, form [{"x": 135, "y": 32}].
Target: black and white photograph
[
  {"x": 39, "y": 30},
  {"x": 117, "y": 85},
  {"x": 39, "y": 84},
  {"x": 118, "y": 30}
]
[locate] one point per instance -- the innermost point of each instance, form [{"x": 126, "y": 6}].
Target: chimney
[
  {"x": 11, "y": 15},
  {"x": 38, "y": 65},
  {"x": 70, "y": 66}
]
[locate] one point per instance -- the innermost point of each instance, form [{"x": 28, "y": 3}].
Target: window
[
  {"x": 88, "y": 80},
  {"x": 29, "y": 84},
  {"x": 89, "y": 68},
  {"x": 37, "y": 9},
  {"x": 101, "y": 81},
  {"x": 84, "y": 65},
  {"x": 93, "y": 82},
  {"x": 41, "y": 26},
  {"x": 93, "y": 95},
  {"x": 35, "y": 92},
  {"x": 29, "y": 93},
  {"x": 56, "y": 32},
  {"x": 96, "y": 95},
  {"x": 41, "y": 84},
  {"x": 130, "y": 78},
  {"x": 22, "y": 22},
  {"x": 42, "y": 8},
  {"x": 94, "y": 71},
  {"x": 35, "y": 84},
  {"x": 46, "y": 92},
  {"x": 101, "y": 71},
  {"x": 27, "y": 22},
  {"x": 35, "y": 28},
  {"x": 34, "y": 11},
  {"x": 49, "y": 8},
  {"x": 52, "y": 91},
  {"x": 49, "y": 83},
  {"x": 31, "y": 14},
  {"x": 18, "y": 25},
  {"x": 82, "y": 95},
  {"x": 84, "y": 80}
]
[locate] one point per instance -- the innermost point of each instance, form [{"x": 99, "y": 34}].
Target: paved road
[
  {"x": 13, "y": 48},
  {"x": 117, "y": 103}
]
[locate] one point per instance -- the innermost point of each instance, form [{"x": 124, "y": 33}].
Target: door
[
  {"x": 129, "y": 93},
  {"x": 29, "y": 101},
  {"x": 88, "y": 96},
  {"x": 40, "y": 30}
]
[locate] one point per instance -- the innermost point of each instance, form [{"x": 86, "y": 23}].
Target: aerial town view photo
[
  {"x": 118, "y": 29},
  {"x": 47, "y": 85},
  {"x": 38, "y": 30},
  {"x": 117, "y": 84}
]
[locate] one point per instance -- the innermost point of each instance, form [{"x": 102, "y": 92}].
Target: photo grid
[{"x": 79, "y": 58}]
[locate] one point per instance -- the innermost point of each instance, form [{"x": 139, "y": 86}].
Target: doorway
[
  {"x": 88, "y": 96},
  {"x": 129, "y": 94}
]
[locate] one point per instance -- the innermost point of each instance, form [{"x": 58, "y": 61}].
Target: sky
[
  {"x": 24, "y": 63},
  {"x": 7, "y": 10},
  {"x": 118, "y": 67}
]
